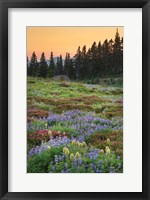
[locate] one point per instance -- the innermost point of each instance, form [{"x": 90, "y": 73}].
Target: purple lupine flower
[{"x": 80, "y": 161}]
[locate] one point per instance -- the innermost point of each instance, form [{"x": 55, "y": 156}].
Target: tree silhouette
[
  {"x": 78, "y": 63},
  {"x": 33, "y": 65},
  {"x": 52, "y": 66},
  {"x": 60, "y": 65},
  {"x": 43, "y": 67}
]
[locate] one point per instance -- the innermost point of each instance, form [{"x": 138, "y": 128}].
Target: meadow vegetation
[{"x": 74, "y": 127}]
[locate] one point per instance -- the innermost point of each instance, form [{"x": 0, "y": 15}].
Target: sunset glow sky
[{"x": 66, "y": 39}]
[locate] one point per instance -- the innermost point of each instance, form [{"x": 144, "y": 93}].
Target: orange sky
[{"x": 65, "y": 39}]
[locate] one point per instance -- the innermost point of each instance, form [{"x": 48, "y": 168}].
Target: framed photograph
[{"x": 74, "y": 99}]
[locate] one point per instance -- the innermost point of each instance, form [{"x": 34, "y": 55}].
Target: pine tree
[
  {"x": 69, "y": 69},
  {"x": 105, "y": 50},
  {"x": 84, "y": 63},
  {"x": 28, "y": 66},
  {"x": 121, "y": 57},
  {"x": 118, "y": 54},
  {"x": 56, "y": 71},
  {"x": 33, "y": 66},
  {"x": 66, "y": 65},
  {"x": 52, "y": 66},
  {"x": 94, "y": 60},
  {"x": 100, "y": 60},
  {"x": 78, "y": 63},
  {"x": 73, "y": 70},
  {"x": 110, "y": 57},
  {"x": 60, "y": 65},
  {"x": 43, "y": 67},
  {"x": 89, "y": 65}
]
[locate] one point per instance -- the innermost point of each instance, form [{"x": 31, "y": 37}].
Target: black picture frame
[{"x": 4, "y": 6}]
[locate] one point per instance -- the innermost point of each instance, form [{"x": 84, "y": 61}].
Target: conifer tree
[
  {"x": 33, "y": 66},
  {"x": 84, "y": 63},
  {"x": 27, "y": 66},
  {"x": 71, "y": 72},
  {"x": 100, "y": 59},
  {"x": 56, "y": 71},
  {"x": 89, "y": 65},
  {"x": 69, "y": 69},
  {"x": 60, "y": 65},
  {"x": 66, "y": 65},
  {"x": 121, "y": 57},
  {"x": 43, "y": 67},
  {"x": 105, "y": 48},
  {"x": 94, "y": 60},
  {"x": 117, "y": 54},
  {"x": 110, "y": 57},
  {"x": 52, "y": 66},
  {"x": 78, "y": 63}
]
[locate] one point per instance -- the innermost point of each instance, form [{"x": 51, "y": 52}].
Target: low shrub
[
  {"x": 35, "y": 138},
  {"x": 108, "y": 137},
  {"x": 38, "y": 113}
]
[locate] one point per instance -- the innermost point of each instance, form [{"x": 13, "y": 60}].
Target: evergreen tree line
[{"x": 99, "y": 60}]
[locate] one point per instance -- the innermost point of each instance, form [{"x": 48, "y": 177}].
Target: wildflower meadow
[{"x": 74, "y": 129}]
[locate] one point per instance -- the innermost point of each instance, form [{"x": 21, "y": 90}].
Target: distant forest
[{"x": 100, "y": 60}]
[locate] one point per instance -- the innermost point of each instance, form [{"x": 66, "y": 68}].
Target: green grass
[{"x": 49, "y": 95}]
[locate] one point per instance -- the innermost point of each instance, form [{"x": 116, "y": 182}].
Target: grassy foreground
[{"x": 74, "y": 127}]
